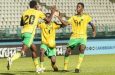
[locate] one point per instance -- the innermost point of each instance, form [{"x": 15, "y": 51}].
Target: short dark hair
[
  {"x": 32, "y": 4},
  {"x": 82, "y": 4}
]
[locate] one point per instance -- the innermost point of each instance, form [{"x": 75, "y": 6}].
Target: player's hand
[
  {"x": 56, "y": 13},
  {"x": 94, "y": 33}
]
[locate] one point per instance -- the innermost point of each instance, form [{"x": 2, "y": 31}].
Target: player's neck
[
  {"x": 33, "y": 8},
  {"x": 80, "y": 13}
]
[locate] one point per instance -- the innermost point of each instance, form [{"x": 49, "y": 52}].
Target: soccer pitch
[{"x": 92, "y": 65}]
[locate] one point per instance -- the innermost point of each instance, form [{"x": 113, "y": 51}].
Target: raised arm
[
  {"x": 53, "y": 9},
  {"x": 93, "y": 28},
  {"x": 64, "y": 23},
  {"x": 57, "y": 14}
]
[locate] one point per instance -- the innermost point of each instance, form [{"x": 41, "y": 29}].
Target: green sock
[
  {"x": 36, "y": 63},
  {"x": 41, "y": 64},
  {"x": 16, "y": 56},
  {"x": 66, "y": 60},
  {"x": 80, "y": 60}
]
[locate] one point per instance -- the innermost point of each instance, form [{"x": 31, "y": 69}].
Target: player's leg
[
  {"x": 16, "y": 56},
  {"x": 72, "y": 43},
  {"x": 27, "y": 41},
  {"x": 82, "y": 47},
  {"x": 53, "y": 63},
  {"x": 66, "y": 58},
  {"x": 34, "y": 55},
  {"x": 26, "y": 44},
  {"x": 43, "y": 50},
  {"x": 52, "y": 55}
]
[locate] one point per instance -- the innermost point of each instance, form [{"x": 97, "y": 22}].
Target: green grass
[{"x": 92, "y": 65}]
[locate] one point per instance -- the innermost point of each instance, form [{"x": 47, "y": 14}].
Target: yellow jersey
[
  {"x": 48, "y": 33},
  {"x": 79, "y": 25},
  {"x": 30, "y": 20}
]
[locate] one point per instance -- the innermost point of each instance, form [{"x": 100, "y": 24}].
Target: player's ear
[{"x": 36, "y": 7}]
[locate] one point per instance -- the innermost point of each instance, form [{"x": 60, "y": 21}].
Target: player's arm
[
  {"x": 93, "y": 28},
  {"x": 64, "y": 23},
  {"x": 57, "y": 14},
  {"x": 61, "y": 25},
  {"x": 21, "y": 22},
  {"x": 53, "y": 9}
]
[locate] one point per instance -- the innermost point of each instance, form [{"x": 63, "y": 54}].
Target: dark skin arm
[
  {"x": 59, "y": 24},
  {"x": 64, "y": 23},
  {"x": 53, "y": 9},
  {"x": 93, "y": 28}
]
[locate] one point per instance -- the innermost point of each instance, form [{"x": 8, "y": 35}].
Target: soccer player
[
  {"x": 48, "y": 45},
  {"x": 29, "y": 22},
  {"x": 78, "y": 38}
]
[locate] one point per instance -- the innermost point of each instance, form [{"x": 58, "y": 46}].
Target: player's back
[{"x": 30, "y": 20}]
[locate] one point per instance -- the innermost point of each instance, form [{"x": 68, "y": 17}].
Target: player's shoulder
[
  {"x": 39, "y": 12},
  {"x": 31, "y": 10},
  {"x": 42, "y": 23},
  {"x": 54, "y": 22},
  {"x": 28, "y": 11},
  {"x": 24, "y": 12},
  {"x": 73, "y": 16},
  {"x": 86, "y": 14}
]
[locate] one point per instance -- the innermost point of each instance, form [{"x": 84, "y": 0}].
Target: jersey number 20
[{"x": 29, "y": 19}]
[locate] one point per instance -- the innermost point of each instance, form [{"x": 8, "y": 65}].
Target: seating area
[{"x": 102, "y": 12}]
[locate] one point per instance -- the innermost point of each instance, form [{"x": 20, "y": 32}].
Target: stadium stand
[{"x": 102, "y": 12}]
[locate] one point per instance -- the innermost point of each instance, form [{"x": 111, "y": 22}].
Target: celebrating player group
[{"x": 30, "y": 22}]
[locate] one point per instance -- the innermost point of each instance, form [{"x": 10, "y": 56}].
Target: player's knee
[
  {"x": 82, "y": 50},
  {"x": 68, "y": 52},
  {"x": 41, "y": 52},
  {"x": 53, "y": 62},
  {"x": 33, "y": 48}
]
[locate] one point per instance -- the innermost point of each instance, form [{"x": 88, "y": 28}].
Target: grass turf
[{"x": 92, "y": 65}]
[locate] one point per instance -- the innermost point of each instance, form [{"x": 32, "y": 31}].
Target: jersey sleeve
[
  {"x": 41, "y": 15},
  {"x": 56, "y": 26},
  {"x": 89, "y": 19},
  {"x": 70, "y": 20},
  {"x": 41, "y": 25}
]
